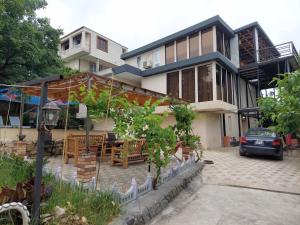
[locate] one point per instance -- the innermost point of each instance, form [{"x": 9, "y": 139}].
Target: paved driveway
[
  {"x": 239, "y": 191},
  {"x": 256, "y": 172}
]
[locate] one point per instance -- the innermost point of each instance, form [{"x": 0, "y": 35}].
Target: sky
[{"x": 134, "y": 23}]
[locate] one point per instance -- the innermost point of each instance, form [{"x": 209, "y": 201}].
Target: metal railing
[{"x": 277, "y": 51}]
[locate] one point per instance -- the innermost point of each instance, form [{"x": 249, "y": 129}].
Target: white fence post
[{"x": 134, "y": 188}]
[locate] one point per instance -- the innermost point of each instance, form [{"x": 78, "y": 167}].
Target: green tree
[
  {"x": 28, "y": 44},
  {"x": 284, "y": 109}
]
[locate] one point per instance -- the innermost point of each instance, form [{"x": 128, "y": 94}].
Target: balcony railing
[
  {"x": 277, "y": 51},
  {"x": 75, "y": 49}
]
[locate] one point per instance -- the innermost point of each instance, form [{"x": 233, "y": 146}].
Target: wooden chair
[
  {"x": 76, "y": 144},
  {"x": 130, "y": 152}
]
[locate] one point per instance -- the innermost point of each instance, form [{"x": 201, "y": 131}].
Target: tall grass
[{"x": 97, "y": 207}]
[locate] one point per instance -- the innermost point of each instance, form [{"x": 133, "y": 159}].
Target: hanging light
[{"x": 51, "y": 114}]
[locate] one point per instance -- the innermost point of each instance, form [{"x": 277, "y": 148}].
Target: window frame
[{"x": 99, "y": 46}]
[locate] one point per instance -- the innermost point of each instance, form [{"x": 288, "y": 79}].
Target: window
[
  {"x": 205, "y": 88},
  {"x": 156, "y": 58},
  {"x": 138, "y": 61},
  {"x": 219, "y": 82},
  {"x": 188, "y": 84},
  {"x": 194, "y": 45},
  {"x": 173, "y": 84},
  {"x": 181, "y": 49},
  {"x": 102, "y": 44},
  {"x": 224, "y": 84},
  {"x": 92, "y": 67},
  {"x": 220, "y": 41},
  {"x": 77, "y": 39},
  {"x": 207, "y": 41},
  {"x": 65, "y": 45},
  {"x": 227, "y": 47},
  {"x": 170, "y": 58}
]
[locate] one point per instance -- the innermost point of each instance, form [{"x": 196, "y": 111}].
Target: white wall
[
  {"x": 89, "y": 44},
  {"x": 114, "y": 50},
  {"x": 74, "y": 64},
  {"x": 156, "y": 83},
  {"x": 148, "y": 56},
  {"x": 84, "y": 65}
]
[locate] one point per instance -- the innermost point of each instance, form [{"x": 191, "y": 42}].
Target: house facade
[
  {"x": 86, "y": 50},
  {"x": 220, "y": 71}
]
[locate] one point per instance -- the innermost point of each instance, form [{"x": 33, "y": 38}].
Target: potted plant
[{"x": 184, "y": 116}]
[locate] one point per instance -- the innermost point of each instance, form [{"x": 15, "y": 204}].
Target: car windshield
[{"x": 263, "y": 133}]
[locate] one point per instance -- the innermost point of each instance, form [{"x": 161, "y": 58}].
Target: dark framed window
[
  {"x": 219, "y": 82},
  {"x": 181, "y": 49},
  {"x": 207, "y": 41},
  {"x": 173, "y": 84},
  {"x": 227, "y": 47},
  {"x": 224, "y": 85},
  {"x": 194, "y": 45},
  {"x": 65, "y": 45},
  {"x": 188, "y": 84},
  {"x": 205, "y": 88},
  {"x": 102, "y": 44},
  {"x": 170, "y": 57},
  {"x": 220, "y": 47}
]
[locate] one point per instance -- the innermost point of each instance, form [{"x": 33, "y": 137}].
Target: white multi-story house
[
  {"x": 220, "y": 71},
  {"x": 86, "y": 50}
]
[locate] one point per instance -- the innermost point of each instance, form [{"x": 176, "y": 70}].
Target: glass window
[
  {"x": 77, "y": 39},
  {"x": 205, "y": 92},
  {"x": 207, "y": 41},
  {"x": 194, "y": 45},
  {"x": 102, "y": 44},
  {"x": 65, "y": 45},
  {"x": 93, "y": 67},
  {"x": 188, "y": 84},
  {"x": 229, "y": 82},
  {"x": 181, "y": 49},
  {"x": 224, "y": 84},
  {"x": 219, "y": 82},
  {"x": 227, "y": 47},
  {"x": 156, "y": 58},
  {"x": 220, "y": 41},
  {"x": 173, "y": 84},
  {"x": 170, "y": 53}
]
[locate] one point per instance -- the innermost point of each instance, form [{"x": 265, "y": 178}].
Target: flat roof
[
  {"x": 84, "y": 27},
  {"x": 216, "y": 20}
]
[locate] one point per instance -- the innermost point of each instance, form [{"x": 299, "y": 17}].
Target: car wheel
[
  {"x": 242, "y": 153},
  {"x": 280, "y": 157}
]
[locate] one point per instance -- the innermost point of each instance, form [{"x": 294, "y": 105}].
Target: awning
[{"x": 59, "y": 89}]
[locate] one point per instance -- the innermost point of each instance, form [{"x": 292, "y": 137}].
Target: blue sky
[{"x": 134, "y": 23}]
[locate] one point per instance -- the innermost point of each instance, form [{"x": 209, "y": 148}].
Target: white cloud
[{"x": 134, "y": 23}]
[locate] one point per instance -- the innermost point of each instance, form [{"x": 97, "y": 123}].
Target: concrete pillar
[
  {"x": 83, "y": 39},
  {"x": 70, "y": 42},
  {"x": 214, "y": 38},
  {"x": 97, "y": 65},
  {"x": 214, "y": 81},
  {"x": 196, "y": 84},
  {"x": 256, "y": 44},
  {"x": 175, "y": 52},
  {"x": 200, "y": 44},
  {"x": 180, "y": 83},
  {"x": 187, "y": 47}
]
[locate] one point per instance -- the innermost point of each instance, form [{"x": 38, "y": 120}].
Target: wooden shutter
[
  {"x": 173, "y": 84},
  {"x": 188, "y": 84}
]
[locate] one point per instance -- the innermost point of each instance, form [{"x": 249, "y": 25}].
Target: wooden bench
[
  {"x": 130, "y": 152},
  {"x": 76, "y": 144}
]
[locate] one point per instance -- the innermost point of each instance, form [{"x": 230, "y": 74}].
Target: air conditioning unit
[{"x": 147, "y": 64}]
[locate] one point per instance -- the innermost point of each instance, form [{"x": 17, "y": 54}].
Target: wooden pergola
[{"x": 58, "y": 87}]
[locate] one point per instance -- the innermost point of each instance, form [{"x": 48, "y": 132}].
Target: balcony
[
  {"x": 77, "y": 50},
  {"x": 276, "y": 52}
]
